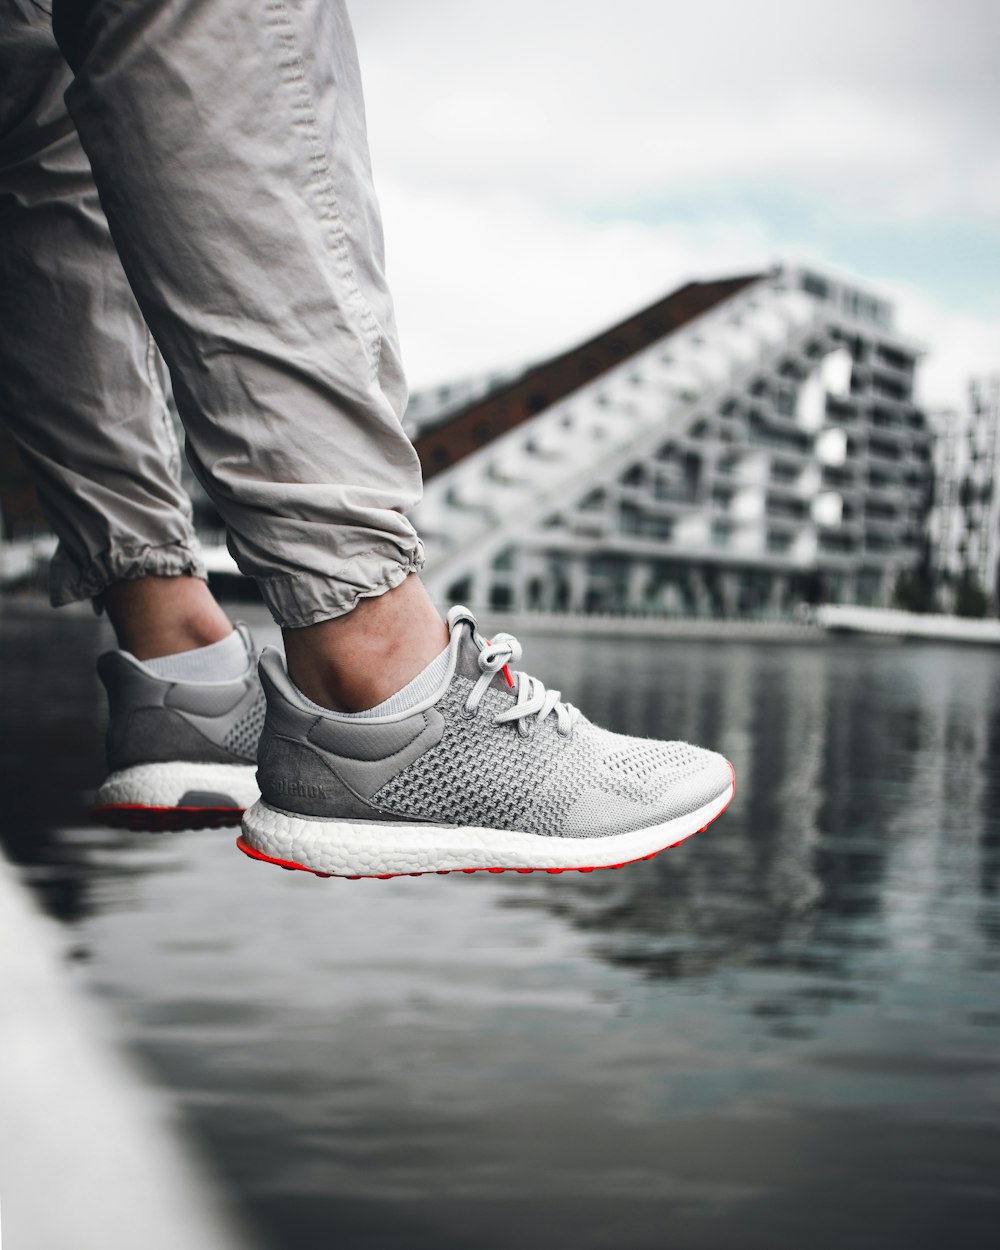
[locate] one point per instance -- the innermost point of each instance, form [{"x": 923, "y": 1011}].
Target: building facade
[
  {"x": 739, "y": 448},
  {"x": 965, "y": 521}
]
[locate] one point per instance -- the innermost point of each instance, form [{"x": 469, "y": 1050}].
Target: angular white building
[{"x": 738, "y": 448}]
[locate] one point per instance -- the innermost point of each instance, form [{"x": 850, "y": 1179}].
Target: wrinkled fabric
[{"x": 237, "y": 220}]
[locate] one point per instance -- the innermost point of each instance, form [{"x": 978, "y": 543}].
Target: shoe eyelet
[{"x": 469, "y": 713}]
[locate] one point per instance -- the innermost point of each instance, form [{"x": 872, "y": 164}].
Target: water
[{"x": 784, "y": 1032}]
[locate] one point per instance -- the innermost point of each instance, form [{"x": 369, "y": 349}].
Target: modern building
[
  {"x": 740, "y": 447},
  {"x": 965, "y": 520}
]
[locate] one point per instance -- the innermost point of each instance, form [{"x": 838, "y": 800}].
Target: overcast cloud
[{"x": 547, "y": 167}]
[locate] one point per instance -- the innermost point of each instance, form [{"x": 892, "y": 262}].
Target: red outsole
[
  {"x": 166, "y": 819},
  {"x": 291, "y": 866}
]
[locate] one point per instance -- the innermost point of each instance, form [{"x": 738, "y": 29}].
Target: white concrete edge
[
  {"x": 896, "y": 623},
  {"x": 571, "y": 625},
  {"x": 90, "y": 1155}
]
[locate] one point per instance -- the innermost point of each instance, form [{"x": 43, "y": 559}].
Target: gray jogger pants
[{"x": 237, "y": 220}]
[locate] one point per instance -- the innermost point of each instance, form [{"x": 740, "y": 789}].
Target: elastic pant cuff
[
  {"x": 298, "y": 600},
  {"x": 68, "y": 583}
]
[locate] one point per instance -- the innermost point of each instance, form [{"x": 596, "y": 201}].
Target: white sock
[
  {"x": 426, "y": 683},
  {"x": 219, "y": 661}
]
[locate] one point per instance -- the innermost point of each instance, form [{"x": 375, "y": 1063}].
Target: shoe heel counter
[
  {"x": 155, "y": 735},
  {"x": 127, "y": 693},
  {"x": 152, "y": 721},
  {"x": 293, "y": 773},
  {"x": 293, "y": 776}
]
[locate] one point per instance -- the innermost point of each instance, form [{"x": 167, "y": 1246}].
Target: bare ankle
[
  {"x": 156, "y": 616},
  {"x": 353, "y": 662}
]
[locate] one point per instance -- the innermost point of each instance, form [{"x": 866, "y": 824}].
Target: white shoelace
[{"x": 531, "y": 696}]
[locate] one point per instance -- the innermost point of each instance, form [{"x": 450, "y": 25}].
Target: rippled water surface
[{"x": 783, "y": 1033}]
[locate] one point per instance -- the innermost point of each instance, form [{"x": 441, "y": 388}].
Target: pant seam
[
  {"x": 151, "y": 371},
  {"x": 156, "y": 385},
  {"x": 292, "y": 70}
]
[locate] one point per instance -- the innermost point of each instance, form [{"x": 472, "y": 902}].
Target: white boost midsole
[
  {"x": 164, "y": 785},
  {"x": 346, "y": 848}
]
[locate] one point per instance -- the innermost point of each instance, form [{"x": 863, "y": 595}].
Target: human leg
[
  {"x": 82, "y": 391},
  {"x": 229, "y": 146},
  {"x": 246, "y": 222},
  {"x": 157, "y": 616},
  {"x": 357, "y": 660},
  {"x": 81, "y": 382}
]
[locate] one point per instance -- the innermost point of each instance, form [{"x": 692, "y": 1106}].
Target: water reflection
[
  {"x": 865, "y": 824},
  {"x": 51, "y": 745}
]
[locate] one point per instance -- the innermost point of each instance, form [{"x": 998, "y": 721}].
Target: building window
[
  {"x": 886, "y": 451},
  {"x": 501, "y": 597},
  {"x": 813, "y": 284},
  {"x": 629, "y": 518},
  {"x": 639, "y": 524},
  {"x": 721, "y": 533},
  {"x": 836, "y": 543},
  {"x": 893, "y": 358},
  {"x": 795, "y": 509}
]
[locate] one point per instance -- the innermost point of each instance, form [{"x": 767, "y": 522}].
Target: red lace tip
[{"x": 505, "y": 670}]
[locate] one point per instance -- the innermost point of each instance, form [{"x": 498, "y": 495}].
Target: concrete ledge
[
  {"x": 90, "y": 1156},
  {"x": 891, "y": 623}
]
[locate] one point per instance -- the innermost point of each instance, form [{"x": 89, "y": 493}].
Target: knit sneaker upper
[
  {"x": 480, "y": 753},
  {"x": 589, "y": 783}
]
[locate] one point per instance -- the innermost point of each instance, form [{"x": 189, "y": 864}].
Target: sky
[{"x": 548, "y": 167}]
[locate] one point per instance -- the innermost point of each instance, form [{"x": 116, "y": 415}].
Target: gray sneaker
[
  {"x": 491, "y": 772},
  {"x": 182, "y": 755}
]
